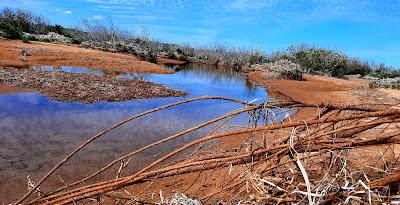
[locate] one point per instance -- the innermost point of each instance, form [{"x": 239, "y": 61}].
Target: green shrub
[
  {"x": 124, "y": 49},
  {"x": 383, "y": 71},
  {"x": 76, "y": 41},
  {"x": 57, "y": 29},
  {"x": 25, "y": 39},
  {"x": 24, "y": 20},
  {"x": 256, "y": 58},
  {"x": 10, "y": 31},
  {"x": 32, "y": 38},
  {"x": 324, "y": 61},
  {"x": 47, "y": 40}
]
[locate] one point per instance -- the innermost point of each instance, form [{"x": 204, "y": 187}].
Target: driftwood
[{"x": 319, "y": 143}]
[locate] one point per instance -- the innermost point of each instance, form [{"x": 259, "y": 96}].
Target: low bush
[
  {"x": 281, "y": 69},
  {"x": 383, "y": 71},
  {"x": 324, "y": 61},
  {"x": 256, "y": 58},
  {"x": 32, "y": 38},
  {"x": 57, "y": 29},
  {"x": 393, "y": 83},
  {"x": 75, "y": 41},
  {"x": 25, "y": 21},
  {"x": 25, "y": 39},
  {"x": 10, "y": 31},
  {"x": 47, "y": 40}
]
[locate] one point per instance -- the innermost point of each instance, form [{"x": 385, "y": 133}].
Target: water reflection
[
  {"x": 200, "y": 79},
  {"x": 37, "y": 132}
]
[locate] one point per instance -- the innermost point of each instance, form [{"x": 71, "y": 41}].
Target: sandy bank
[
  {"x": 47, "y": 54},
  {"x": 320, "y": 89},
  {"x": 7, "y": 89}
]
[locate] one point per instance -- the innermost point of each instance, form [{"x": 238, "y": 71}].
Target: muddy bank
[
  {"x": 14, "y": 53},
  {"x": 7, "y": 89},
  {"x": 85, "y": 88}
]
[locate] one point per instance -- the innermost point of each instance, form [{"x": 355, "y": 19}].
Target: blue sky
[{"x": 368, "y": 29}]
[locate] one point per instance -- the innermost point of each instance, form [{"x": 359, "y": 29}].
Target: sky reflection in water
[{"x": 37, "y": 132}]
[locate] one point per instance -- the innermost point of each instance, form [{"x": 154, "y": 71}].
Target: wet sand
[{"x": 8, "y": 89}]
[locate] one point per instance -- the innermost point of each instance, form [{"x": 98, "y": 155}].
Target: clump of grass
[
  {"x": 25, "y": 39},
  {"x": 47, "y": 40}
]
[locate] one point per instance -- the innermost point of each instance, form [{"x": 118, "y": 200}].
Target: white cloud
[
  {"x": 68, "y": 12},
  {"x": 97, "y": 17}
]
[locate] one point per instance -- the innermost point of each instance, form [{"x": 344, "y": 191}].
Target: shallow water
[{"x": 36, "y": 132}]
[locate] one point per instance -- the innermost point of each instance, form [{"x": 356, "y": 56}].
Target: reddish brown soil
[
  {"x": 327, "y": 90},
  {"x": 47, "y": 54},
  {"x": 7, "y": 89}
]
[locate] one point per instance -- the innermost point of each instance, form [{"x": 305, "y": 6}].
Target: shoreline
[
  {"x": 320, "y": 90},
  {"x": 14, "y": 53}
]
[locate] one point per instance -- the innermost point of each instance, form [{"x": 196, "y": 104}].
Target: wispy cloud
[
  {"x": 64, "y": 11},
  {"x": 146, "y": 3},
  {"x": 97, "y": 17},
  {"x": 246, "y": 5},
  {"x": 310, "y": 10}
]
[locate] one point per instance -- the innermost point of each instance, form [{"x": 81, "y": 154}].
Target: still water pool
[{"x": 36, "y": 132}]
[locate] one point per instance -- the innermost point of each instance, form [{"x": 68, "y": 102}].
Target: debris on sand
[
  {"x": 182, "y": 199},
  {"x": 282, "y": 69},
  {"x": 85, "y": 88}
]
